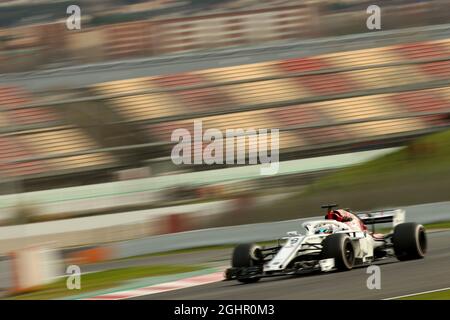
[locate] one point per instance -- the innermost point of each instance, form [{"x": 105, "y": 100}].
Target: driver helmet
[{"x": 325, "y": 229}]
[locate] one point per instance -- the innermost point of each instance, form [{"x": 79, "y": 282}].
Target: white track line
[{"x": 417, "y": 294}]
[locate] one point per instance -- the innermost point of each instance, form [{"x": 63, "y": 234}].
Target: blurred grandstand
[
  {"x": 114, "y": 29},
  {"x": 346, "y": 101}
]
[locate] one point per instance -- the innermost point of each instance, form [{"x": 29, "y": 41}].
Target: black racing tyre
[
  {"x": 340, "y": 247},
  {"x": 246, "y": 255},
  {"x": 248, "y": 280},
  {"x": 410, "y": 241}
]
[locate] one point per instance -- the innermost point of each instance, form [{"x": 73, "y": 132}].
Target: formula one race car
[{"x": 339, "y": 242}]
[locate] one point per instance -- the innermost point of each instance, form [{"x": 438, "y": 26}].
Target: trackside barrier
[
  {"x": 91, "y": 255},
  {"x": 205, "y": 237},
  {"x": 424, "y": 213},
  {"x": 172, "y": 223}
]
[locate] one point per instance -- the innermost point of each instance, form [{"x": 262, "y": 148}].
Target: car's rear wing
[{"x": 395, "y": 216}]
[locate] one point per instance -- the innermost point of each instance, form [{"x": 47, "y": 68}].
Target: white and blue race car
[{"x": 340, "y": 242}]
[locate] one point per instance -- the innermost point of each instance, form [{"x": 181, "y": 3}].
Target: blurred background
[{"x": 86, "y": 118}]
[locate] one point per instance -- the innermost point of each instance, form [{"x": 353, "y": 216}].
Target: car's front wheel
[
  {"x": 339, "y": 246},
  {"x": 246, "y": 255}
]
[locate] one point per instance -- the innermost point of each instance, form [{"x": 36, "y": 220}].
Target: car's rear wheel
[
  {"x": 410, "y": 241},
  {"x": 339, "y": 246},
  {"x": 246, "y": 255}
]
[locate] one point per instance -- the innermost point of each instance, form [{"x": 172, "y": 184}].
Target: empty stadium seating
[
  {"x": 13, "y": 148},
  {"x": 354, "y": 96},
  {"x": 11, "y": 97},
  {"x": 19, "y": 149},
  {"x": 278, "y": 81},
  {"x": 54, "y": 150},
  {"x": 262, "y": 84},
  {"x": 340, "y": 111},
  {"x": 65, "y": 141}
]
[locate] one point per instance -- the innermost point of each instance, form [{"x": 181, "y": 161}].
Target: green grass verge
[
  {"x": 182, "y": 251},
  {"x": 428, "y": 226},
  {"x": 194, "y": 250},
  {"x": 437, "y": 225},
  {"x": 439, "y": 295},
  {"x": 104, "y": 280}
]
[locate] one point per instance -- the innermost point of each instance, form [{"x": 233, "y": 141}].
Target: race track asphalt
[{"x": 397, "y": 278}]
